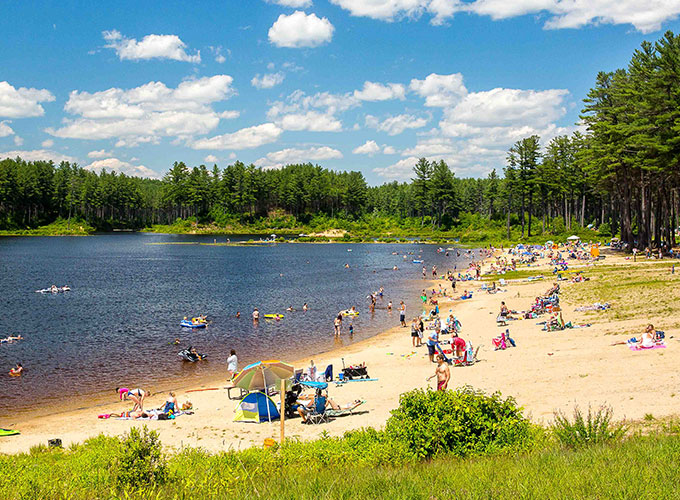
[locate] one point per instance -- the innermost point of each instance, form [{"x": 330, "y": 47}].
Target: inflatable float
[
  {"x": 273, "y": 316},
  {"x": 55, "y": 289},
  {"x": 417, "y": 261},
  {"x": 188, "y": 324},
  {"x": 349, "y": 312},
  {"x": 187, "y": 355},
  {"x": 8, "y": 432}
]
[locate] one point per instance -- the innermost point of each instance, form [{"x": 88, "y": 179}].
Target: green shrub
[
  {"x": 462, "y": 422},
  {"x": 605, "y": 229},
  {"x": 141, "y": 460},
  {"x": 594, "y": 428}
]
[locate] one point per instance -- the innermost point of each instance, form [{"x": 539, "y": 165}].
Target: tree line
[{"x": 620, "y": 174}]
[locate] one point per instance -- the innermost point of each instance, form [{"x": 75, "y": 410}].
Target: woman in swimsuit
[{"x": 135, "y": 395}]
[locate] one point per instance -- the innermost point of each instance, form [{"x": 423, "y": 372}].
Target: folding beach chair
[
  {"x": 342, "y": 412},
  {"x": 328, "y": 374},
  {"x": 318, "y": 413}
]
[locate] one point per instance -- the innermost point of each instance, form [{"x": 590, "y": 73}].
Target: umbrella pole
[
  {"x": 266, "y": 393},
  {"x": 282, "y": 413}
]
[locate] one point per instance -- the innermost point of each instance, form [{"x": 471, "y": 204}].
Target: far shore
[{"x": 545, "y": 372}]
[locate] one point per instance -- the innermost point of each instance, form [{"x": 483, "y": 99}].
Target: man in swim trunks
[
  {"x": 432, "y": 340},
  {"x": 402, "y": 313},
  {"x": 442, "y": 373}
]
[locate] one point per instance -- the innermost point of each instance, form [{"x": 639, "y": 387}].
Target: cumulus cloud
[
  {"x": 379, "y": 92},
  {"x": 38, "y": 155},
  {"x": 122, "y": 167},
  {"x": 47, "y": 143},
  {"x": 102, "y": 153},
  {"x": 278, "y": 159},
  {"x": 644, "y": 16},
  {"x": 503, "y": 107},
  {"x": 22, "y": 102},
  {"x": 430, "y": 147},
  {"x": 299, "y": 30},
  {"x": 295, "y": 4},
  {"x": 389, "y": 150},
  {"x": 5, "y": 129},
  {"x": 147, "y": 113},
  {"x": 315, "y": 113},
  {"x": 395, "y": 125},
  {"x": 246, "y": 138},
  {"x": 267, "y": 80},
  {"x": 440, "y": 90},
  {"x": 368, "y": 148},
  {"x": 211, "y": 159},
  {"x": 18, "y": 141},
  {"x": 150, "y": 47}
]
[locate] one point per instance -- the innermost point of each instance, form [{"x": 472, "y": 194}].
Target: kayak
[
  {"x": 8, "y": 432},
  {"x": 188, "y": 324},
  {"x": 273, "y": 316}
]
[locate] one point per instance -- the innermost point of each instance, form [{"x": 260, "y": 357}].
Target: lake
[{"x": 129, "y": 292}]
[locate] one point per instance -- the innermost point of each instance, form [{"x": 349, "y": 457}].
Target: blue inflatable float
[{"x": 188, "y": 324}]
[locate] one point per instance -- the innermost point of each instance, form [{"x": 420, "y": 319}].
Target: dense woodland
[{"x": 621, "y": 176}]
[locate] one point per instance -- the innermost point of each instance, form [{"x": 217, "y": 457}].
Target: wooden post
[{"x": 282, "y": 412}]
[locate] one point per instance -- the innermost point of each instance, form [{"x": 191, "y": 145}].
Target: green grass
[
  {"x": 639, "y": 467},
  {"x": 60, "y": 227}
]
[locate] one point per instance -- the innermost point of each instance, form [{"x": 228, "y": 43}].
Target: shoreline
[{"x": 547, "y": 372}]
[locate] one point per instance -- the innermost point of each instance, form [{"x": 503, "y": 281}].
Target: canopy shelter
[
  {"x": 573, "y": 237},
  {"x": 256, "y": 407},
  {"x": 260, "y": 376}
]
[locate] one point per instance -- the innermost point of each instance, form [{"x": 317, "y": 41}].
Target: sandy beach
[{"x": 545, "y": 372}]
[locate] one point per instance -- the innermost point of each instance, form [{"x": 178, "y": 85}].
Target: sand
[{"x": 544, "y": 373}]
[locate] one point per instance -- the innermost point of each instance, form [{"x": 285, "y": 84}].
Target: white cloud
[
  {"x": 440, "y": 90},
  {"x": 22, "y": 102},
  {"x": 312, "y": 121},
  {"x": 217, "y": 52},
  {"x": 268, "y": 80},
  {"x": 368, "y": 148},
  {"x": 395, "y": 125},
  {"x": 402, "y": 169},
  {"x": 246, "y": 138},
  {"x": 122, "y": 167},
  {"x": 47, "y": 143},
  {"x": 315, "y": 113},
  {"x": 232, "y": 156},
  {"x": 5, "y": 129},
  {"x": 295, "y": 4},
  {"x": 299, "y": 30},
  {"x": 278, "y": 159},
  {"x": 379, "y": 92},
  {"x": 102, "y": 153},
  {"x": 430, "y": 147},
  {"x": 211, "y": 159},
  {"x": 18, "y": 141},
  {"x": 220, "y": 58},
  {"x": 389, "y": 150},
  {"x": 147, "y": 113},
  {"x": 150, "y": 47},
  {"x": 644, "y": 16},
  {"x": 38, "y": 155},
  {"x": 503, "y": 107}
]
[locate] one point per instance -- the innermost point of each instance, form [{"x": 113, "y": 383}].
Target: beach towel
[{"x": 635, "y": 347}]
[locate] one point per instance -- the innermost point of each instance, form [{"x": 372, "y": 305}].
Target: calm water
[{"x": 128, "y": 295}]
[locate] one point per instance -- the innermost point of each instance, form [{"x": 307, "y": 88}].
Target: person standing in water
[
  {"x": 337, "y": 324},
  {"x": 402, "y": 314},
  {"x": 232, "y": 364},
  {"x": 256, "y": 315}
]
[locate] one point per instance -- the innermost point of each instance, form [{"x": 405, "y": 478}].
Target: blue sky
[{"x": 366, "y": 85}]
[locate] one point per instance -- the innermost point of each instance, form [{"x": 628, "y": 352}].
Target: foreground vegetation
[{"x": 458, "y": 444}]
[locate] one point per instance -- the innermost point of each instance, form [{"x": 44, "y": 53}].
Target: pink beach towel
[{"x": 634, "y": 347}]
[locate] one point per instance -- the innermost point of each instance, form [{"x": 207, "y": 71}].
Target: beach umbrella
[
  {"x": 262, "y": 374},
  {"x": 573, "y": 237}
]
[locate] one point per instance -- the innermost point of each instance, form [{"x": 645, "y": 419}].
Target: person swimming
[{"x": 17, "y": 371}]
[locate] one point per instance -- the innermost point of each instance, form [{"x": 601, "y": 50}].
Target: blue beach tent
[{"x": 256, "y": 407}]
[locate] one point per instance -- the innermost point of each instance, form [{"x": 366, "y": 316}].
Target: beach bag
[{"x": 163, "y": 416}]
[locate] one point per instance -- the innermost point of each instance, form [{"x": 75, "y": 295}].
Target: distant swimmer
[
  {"x": 304, "y": 306},
  {"x": 238, "y": 314},
  {"x": 389, "y": 305},
  {"x": 395, "y": 268},
  {"x": 290, "y": 309},
  {"x": 256, "y": 315},
  {"x": 346, "y": 266},
  {"x": 16, "y": 371}
]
